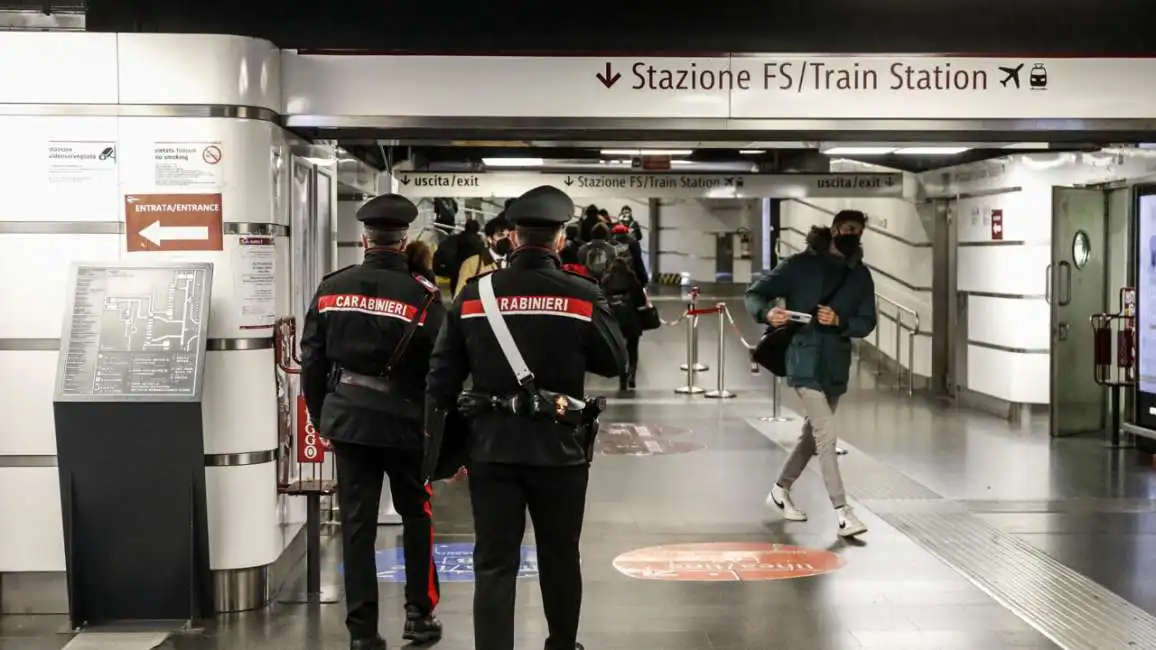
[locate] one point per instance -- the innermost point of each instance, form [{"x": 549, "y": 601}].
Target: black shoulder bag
[{"x": 771, "y": 350}]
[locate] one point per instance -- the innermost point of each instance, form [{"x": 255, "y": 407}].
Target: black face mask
[
  {"x": 503, "y": 246},
  {"x": 847, "y": 244}
]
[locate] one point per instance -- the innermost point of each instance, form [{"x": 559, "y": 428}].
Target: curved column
[{"x": 145, "y": 114}]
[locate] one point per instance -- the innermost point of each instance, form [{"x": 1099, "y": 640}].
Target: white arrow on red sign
[{"x": 156, "y": 233}]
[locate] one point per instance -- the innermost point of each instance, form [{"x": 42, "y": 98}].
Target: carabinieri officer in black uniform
[
  {"x": 532, "y": 439},
  {"x": 365, "y": 351}
]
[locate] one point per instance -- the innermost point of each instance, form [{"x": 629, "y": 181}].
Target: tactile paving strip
[
  {"x": 1063, "y": 605},
  {"x": 1071, "y": 610}
]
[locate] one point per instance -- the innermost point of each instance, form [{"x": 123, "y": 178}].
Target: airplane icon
[{"x": 1013, "y": 74}]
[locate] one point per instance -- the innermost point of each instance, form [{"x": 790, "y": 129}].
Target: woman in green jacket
[{"x": 819, "y": 357}]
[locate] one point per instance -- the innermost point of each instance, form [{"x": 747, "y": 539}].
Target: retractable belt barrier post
[
  {"x": 690, "y": 366},
  {"x": 1116, "y": 371},
  {"x": 314, "y": 480},
  {"x": 692, "y": 357},
  {"x": 720, "y": 392}
]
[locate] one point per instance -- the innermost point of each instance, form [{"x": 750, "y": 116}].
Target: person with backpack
[
  {"x": 829, "y": 282},
  {"x": 457, "y": 248},
  {"x": 627, "y": 297},
  {"x": 597, "y": 254},
  {"x": 627, "y": 247}
]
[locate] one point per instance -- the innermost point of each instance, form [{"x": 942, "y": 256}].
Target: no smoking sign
[{"x": 211, "y": 154}]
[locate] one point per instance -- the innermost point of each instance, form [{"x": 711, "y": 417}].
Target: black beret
[
  {"x": 544, "y": 205},
  {"x": 387, "y": 211}
]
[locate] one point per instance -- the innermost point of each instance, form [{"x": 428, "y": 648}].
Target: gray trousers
[{"x": 818, "y": 434}]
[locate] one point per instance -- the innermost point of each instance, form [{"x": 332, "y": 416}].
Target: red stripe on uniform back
[
  {"x": 534, "y": 306},
  {"x": 386, "y": 307}
]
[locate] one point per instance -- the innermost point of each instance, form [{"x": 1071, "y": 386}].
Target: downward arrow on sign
[
  {"x": 156, "y": 233},
  {"x": 609, "y": 77}
]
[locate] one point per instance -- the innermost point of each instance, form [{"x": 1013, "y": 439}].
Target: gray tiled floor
[{"x": 891, "y": 594}]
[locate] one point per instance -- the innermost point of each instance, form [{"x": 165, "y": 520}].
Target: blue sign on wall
[{"x": 454, "y": 562}]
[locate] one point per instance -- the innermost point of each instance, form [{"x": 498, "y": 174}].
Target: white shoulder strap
[{"x": 502, "y": 332}]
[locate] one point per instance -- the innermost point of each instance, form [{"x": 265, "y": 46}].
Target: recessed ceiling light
[
  {"x": 751, "y": 152},
  {"x": 646, "y": 152},
  {"x": 513, "y": 162},
  {"x": 858, "y": 151},
  {"x": 931, "y": 151}
]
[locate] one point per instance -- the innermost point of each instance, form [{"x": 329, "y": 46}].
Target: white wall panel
[
  {"x": 686, "y": 239},
  {"x": 242, "y": 514},
  {"x": 348, "y": 227},
  {"x": 43, "y": 178},
  {"x": 246, "y": 178},
  {"x": 42, "y": 263},
  {"x": 1017, "y": 378},
  {"x": 239, "y": 405},
  {"x": 57, "y": 68},
  {"x": 1010, "y": 322},
  {"x": 199, "y": 69},
  {"x": 33, "y": 537},
  {"x": 1004, "y": 269},
  {"x": 26, "y": 401}
]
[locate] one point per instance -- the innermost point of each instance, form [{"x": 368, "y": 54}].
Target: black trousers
[
  {"x": 632, "y": 356},
  {"x": 556, "y": 499},
  {"x": 361, "y": 470}
]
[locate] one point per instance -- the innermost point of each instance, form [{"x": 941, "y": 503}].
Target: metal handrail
[{"x": 901, "y": 326}]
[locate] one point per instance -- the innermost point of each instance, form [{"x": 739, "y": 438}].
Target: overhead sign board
[
  {"x": 651, "y": 185},
  {"x": 173, "y": 222},
  {"x": 135, "y": 332},
  {"x": 793, "y": 86}
]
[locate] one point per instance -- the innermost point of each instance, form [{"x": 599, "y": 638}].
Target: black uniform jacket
[
  {"x": 563, "y": 327},
  {"x": 357, "y": 319}
]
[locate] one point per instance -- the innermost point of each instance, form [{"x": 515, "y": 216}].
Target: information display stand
[{"x": 130, "y": 445}]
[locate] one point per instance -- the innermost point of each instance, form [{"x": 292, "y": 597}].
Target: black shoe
[
  {"x": 376, "y": 643},
  {"x": 421, "y": 628},
  {"x": 631, "y": 383},
  {"x": 623, "y": 384}
]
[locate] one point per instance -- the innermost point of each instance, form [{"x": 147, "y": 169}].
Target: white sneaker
[
  {"x": 780, "y": 498},
  {"x": 849, "y": 524}
]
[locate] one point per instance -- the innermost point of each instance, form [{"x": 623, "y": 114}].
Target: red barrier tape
[{"x": 701, "y": 312}]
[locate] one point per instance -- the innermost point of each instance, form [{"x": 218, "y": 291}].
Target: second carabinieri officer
[{"x": 527, "y": 335}]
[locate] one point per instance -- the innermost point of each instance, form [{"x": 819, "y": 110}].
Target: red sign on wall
[
  {"x": 310, "y": 446},
  {"x": 996, "y": 225}
]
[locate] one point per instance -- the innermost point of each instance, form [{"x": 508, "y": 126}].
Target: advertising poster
[
  {"x": 188, "y": 165},
  {"x": 256, "y": 283},
  {"x": 1146, "y": 310}
]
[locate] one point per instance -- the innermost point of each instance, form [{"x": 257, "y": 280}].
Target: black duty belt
[
  {"x": 545, "y": 404},
  {"x": 379, "y": 384}
]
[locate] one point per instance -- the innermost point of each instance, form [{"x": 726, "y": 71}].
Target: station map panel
[{"x": 135, "y": 332}]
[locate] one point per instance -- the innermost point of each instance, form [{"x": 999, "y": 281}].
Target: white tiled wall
[{"x": 688, "y": 234}]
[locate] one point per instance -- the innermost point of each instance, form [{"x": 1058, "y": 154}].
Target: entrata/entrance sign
[
  {"x": 726, "y": 562},
  {"x": 173, "y": 222},
  {"x": 417, "y": 185},
  {"x": 320, "y": 87}
]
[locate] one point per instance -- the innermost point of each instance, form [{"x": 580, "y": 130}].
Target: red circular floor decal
[
  {"x": 634, "y": 439},
  {"x": 726, "y": 562}
]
